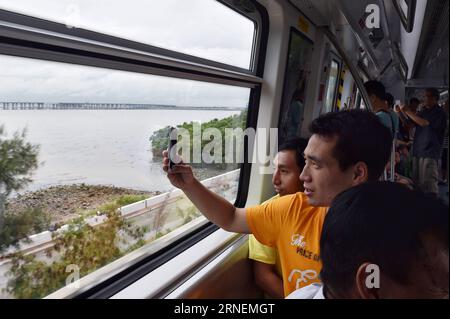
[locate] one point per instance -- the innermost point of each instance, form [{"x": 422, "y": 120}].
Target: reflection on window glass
[
  {"x": 92, "y": 150},
  {"x": 296, "y": 79},
  {"x": 203, "y": 28},
  {"x": 331, "y": 86}
]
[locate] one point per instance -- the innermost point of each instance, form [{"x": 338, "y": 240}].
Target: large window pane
[
  {"x": 100, "y": 135},
  {"x": 204, "y": 28}
]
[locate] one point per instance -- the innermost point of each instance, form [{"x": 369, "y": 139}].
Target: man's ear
[
  {"x": 360, "y": 173},
  {"x": 368, "y": 281}
]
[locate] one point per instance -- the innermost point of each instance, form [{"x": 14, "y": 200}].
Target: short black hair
[
  {"x": 414, "y": 100},
  {"x": 380, "y": 223},
  {"x": 297, "y": 145},
  {"x": 375, "y": 88},
  {"x": 433, "y": 92},
  {"x": 390, "y": 100},
  {"x": 361, "y": 137}
]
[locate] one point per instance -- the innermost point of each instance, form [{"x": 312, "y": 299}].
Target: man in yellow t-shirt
[
  {"x": 289, "y": 163},
  {"x": 346, "y": 149}
]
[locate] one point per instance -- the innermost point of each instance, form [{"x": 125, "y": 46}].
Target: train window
[
  {"x": 98, "y": 136},
  {"x": 295, "y": 85},
  {"x": 332, "y": 82},
  {"x": 84, "y": 124},
  {"x": 406, "y": 10},
  {"x": 177, "y": 25}
]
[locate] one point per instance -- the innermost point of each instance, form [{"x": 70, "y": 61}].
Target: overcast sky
[{"x": 203, "y": 28}]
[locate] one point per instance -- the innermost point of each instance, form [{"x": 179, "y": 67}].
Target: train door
[{"x": 295, "y": 85}]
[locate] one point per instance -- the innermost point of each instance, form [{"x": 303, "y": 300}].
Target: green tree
[
  {"x": 18, "y": 159},
  {"x": 19, "y": 226},
  {"x": 88, "y": 247},
  {"x": 159, "y": 138}
]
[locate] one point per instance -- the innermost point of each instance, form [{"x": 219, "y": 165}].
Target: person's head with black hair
[
  {"x": 403, "y": 149},
  {"x": 414, "y": 104},
  {"x": 431, "y": 97},
  {"x": 389, "y": 100},
  {"x": 377, "y": 94},
  {"x": 382, "y": 240},
  {"x": 414, "y": 101},
  {"x": 347, "y": 148},
  {"x": 289, "y": 163}
]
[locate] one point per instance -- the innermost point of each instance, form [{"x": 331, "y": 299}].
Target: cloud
[
  {"x": 204, "y": 28},
  {"x": 30, "y": 80}
]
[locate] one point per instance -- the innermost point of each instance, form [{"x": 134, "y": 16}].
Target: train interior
[{"x": 326, "y": 49}]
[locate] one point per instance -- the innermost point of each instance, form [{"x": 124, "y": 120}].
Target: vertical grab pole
[{"x": 392, "y": 177}]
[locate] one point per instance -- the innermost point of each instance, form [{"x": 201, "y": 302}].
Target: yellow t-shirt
[
  {"x": 293, "y": 227},
  {"x": 263, "y": 253}
]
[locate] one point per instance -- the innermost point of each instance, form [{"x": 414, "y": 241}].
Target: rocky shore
[{"x": 66, "y": 202}]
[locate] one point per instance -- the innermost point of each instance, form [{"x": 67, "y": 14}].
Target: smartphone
[{"x": 173, "y": 134}]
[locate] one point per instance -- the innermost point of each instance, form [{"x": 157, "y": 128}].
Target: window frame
[
  {"x": 35, "y": 38},
  {"x": 334, "y": 58}
]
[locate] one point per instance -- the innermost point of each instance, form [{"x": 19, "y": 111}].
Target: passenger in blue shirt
[
  {"x": 428, "y": 139},
  {"x": 395, "y": 119},
  {"x": 377, "y": 96}
]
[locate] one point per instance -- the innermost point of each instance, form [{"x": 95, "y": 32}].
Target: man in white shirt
[{"x": 313, "y": 291}]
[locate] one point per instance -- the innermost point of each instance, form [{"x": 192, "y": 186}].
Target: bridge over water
[{"x": 104, "y": 106}]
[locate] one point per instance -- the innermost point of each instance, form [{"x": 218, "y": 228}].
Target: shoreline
[{"x": 65, "y": 202}]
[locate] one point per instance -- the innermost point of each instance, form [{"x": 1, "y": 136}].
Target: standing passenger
[
  {"x": 395, "y": 118},
  {"x": 377, "y": 95},
  {"x": 428, "y": 139}
]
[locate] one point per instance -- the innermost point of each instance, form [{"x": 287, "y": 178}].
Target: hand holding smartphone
[{"x": 172, "y": 149}]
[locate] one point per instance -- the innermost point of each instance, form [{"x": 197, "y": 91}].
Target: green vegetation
[
  {"x": 188, "y": 212},
  {"x": 130, "y": 199},
  {"x": 159, "y": 138},
  {"x": 88, "y": 247}
]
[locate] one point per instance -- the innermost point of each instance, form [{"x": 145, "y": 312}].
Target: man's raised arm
[
  {"x": 415, "y": 118},
  {"x": 212, "y": 206}
]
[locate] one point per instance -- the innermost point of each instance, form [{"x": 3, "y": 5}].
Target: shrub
[
  {"x": 83, "y": 245},
  {"x": 19, "y": 226}
]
